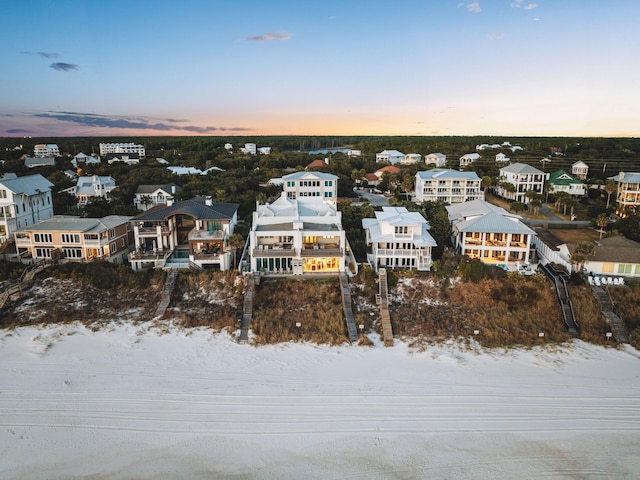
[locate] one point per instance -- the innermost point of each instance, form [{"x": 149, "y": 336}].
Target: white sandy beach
[{"x": 129, "y": 402}]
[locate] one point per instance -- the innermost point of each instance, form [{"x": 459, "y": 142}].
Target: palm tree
[
  {"x": 609, "y": 187},
  {"x": 407, "y": 185},
  {"x": 580, "y": 254},
  {"x": 536, "y": 204},
  {"x": 602, "y": 221},
  {"x": 234, "y": 242},
  {"x": 487, "y": 182}
]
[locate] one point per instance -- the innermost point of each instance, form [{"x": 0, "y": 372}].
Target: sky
[{"x": 332, "y": 67}]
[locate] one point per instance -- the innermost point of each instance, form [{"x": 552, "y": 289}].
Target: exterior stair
[
  {"x": 346, "y": 305},
  {"x": 618, "y": 329},
  {"x": 383, "y": 301},
  {"x": 247, "y": 309},
  {"x": 165, "y": 298}
]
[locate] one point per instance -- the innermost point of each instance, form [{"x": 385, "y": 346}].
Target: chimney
[
  {"x": 169, "y": 202},
  {"x": 173, "y": 189},
  {"x": 208, "y": 201}
]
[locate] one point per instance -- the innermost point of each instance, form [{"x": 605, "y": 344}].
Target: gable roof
[
  {"x": 627, "y": 177},
  {"x": 521, "y": 168},
  {"x": 70, "y": 223},
  {"x": 39, "y": 162},
  {"x": 442, "y": 173},
  {"x": 195, "y": 207},
  {"x": 312, "y": 175},
  {"x": 562, "y": 178},
  {"x": 145, "y": 189},
  {"x": 317, "y": 163},
  {"x": 616, "y": 249},
  {"x": 392, "y": 153},
  {"x": 27, "y": 185},
  {"x": 398, "y": 216},
  {"x": 389, "y": 168},
  {"x": 481, "y": 216}
]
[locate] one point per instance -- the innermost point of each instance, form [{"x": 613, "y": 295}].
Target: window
[
  {"x": 91, "y": 236},
  {"x": 402, "y": 230},
  {"x": 43, "y": 238},
  {"x": 112, "y": 233},
  {"x": 624, "y": 268},
  {"x": 112, "y": 247},
  {"x": 3, "y": 193},
  {"x": 70, "y": 238},
  {"x": 328, "y": 183},
  {"x": 72, "y": 253},
  {"x": 43, "y": 252},
  {"x": 328, "y": 194},
  {"x": 214, "y": 226},
  {"x": 607, "y": 267}
]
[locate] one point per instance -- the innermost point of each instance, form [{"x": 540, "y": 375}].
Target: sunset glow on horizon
[{"x": 493, "y": 67}]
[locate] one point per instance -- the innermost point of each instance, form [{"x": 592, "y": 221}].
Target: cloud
[
  {"x": 530, "y": 6},
  {"x": 496, "y": 36},
  {"x": 516, "y": 4},
  {"x": 474, "y": 7},
  {"x": 42, "y": 54},
  {"x": 520, "y": 3},
  {"x": 139, "y": 123},
  {"x": 64, "y": 67},
  {"x": 271, "y": 36},
  {"x": 17, "y": 130}
]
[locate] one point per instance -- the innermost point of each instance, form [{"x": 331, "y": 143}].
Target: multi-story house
[
  {"x": 490, "y": 233},
  {"x": 561, "y": 181},
  {"x": 188, "y": 234},
  {"x": 107, "y": 148},
  {"x": 81, "y": 159},
  {"x": 438, "y": 160},
  {"x": 249, "y": 148},
  {"x": 580, "y": 169},
  {"x": 95, "y": 186},
  {"x": 468, "y": 159},
  {"x": 300, "y": 236},
  {"x": 77, "y": 239},
  {"x": 149, "y": 196},
  {"x": 523, "y": 177},
  {"x": 24, "y": 201},
  {"x": 398, "y": 239},
  {"x": 311, "y": 184},
  {"x": 628, "y": 190},
  {"x": 46, "y": 150},
  {"x": 450, "y": 186},
  {"x": 264, "y": 150},
  {"x": 391, "y": 156},
  {"x": 411, "y": 159}
]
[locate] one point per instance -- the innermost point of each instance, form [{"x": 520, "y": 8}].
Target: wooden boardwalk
[
  {"x": 25, "y": 280},
  {"x": 247, "y": 309},
  {"x": 618, "y": 329},
  {"x": 566, "y": 306},
  {"x": 348, "y": 310},
  {"x": 167, "y": 290},
  {"x": 383, "y": 301}
]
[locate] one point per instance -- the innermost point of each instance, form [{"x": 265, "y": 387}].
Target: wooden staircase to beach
[
  {"x": 348, "y": 310},
  {"x": 26, "y": 279},
  {"x": 383, "y": 301},
  {"x": 247, "y": 309},
  {"x": 618, "y": 329},
  {"x": 167, "y": 290}
]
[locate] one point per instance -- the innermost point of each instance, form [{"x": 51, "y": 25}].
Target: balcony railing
[
  {"x": 321, "y": 251},
  {"x": 273, "y": 251},
  {"x": 205, "y": 235},
  {"x": 146, "y": 231}
]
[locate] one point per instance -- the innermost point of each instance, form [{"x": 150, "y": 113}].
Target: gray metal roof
[
  {"x": 521, "y": 168},
  {"x": 69, "y": 223},
  {"x": 195, "y": 207},
  {"x": 493, "y": 222},
  {"x": 627, "y": 177},
  {"x": 27, "y": 185},
  {"x": 446, "y": 173},
  {"x": 142, "y": 189},
  {"x": 312, "y": 175}
]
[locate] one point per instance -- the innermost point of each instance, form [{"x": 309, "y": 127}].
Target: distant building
[
  {"x": 580, "y": 170},
  {"x": 77, "y": 239},
  {"x": 501, "y": 158},
  {"x": 34, "y": 162},
  {"x": 468, "y": 159},
  {"x": 46, "y": 150},
  {"x": 128, "y": 158},
  {"x": 411, "y": 159},
  {"x": 354, "y": 153},
  {"x": 23, "y": 201},
  {"x": 81, "y": 159},
  {"x": 317, "y": 163},
  {"x": 398, "y": 239},
  {"x": 149, "y": 196},
  {"x": 249, "y": 148},
  {"x": 311, "y": 184},
  {"x": 107, "y": 148},
  {"x": 438, "y": 160},
  {"x": 391, "y": 156},
  {"x": 95, "y": 186},
  {"x": 561, "y": 181},
  {"x": 264, "y": 150},
  {"x": 450, "y": 186},
  {"x": 228, "y": 147}
]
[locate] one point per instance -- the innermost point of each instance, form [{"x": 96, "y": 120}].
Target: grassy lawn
[{"x": 574, "y": 235}]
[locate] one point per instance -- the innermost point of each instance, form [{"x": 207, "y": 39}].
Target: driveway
[{"x": 375, "y": 199}]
